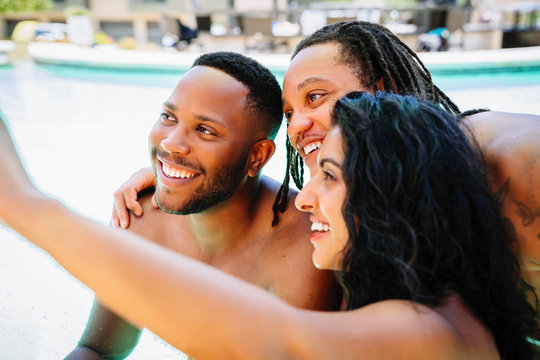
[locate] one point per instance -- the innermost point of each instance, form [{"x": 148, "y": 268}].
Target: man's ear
[
  {"x": 380, "y": 85},
  {"x": 259, "y": 155}
]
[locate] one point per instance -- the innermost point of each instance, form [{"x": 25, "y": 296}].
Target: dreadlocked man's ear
[
  {"x": 380, "y": 86},
  {"x": 259, "y": 155}
]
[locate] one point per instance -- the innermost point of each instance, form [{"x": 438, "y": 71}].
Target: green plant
[
  {"x": 24, "y": 5},
  {"x": 76, "y": 11}
]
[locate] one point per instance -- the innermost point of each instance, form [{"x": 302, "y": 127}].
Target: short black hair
[{"x": 264, "y": 96}]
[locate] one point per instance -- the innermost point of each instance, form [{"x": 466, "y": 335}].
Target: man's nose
[
  {"x": 176, "y": 142},
  {"x": 298, "y": 124}
]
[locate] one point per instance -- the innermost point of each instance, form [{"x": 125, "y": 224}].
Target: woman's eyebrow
[{"x": 329, "y": 160}]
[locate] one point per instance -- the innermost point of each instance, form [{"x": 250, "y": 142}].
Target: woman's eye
[{"x": 328, "y": 176}]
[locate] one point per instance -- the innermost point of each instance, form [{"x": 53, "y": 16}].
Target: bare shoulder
[
  {"x": 140, "y": 224},
  {"x": 511, "y": 146},
  {"x": 398, "y": 329},
  {"x": 156, "y": 225},
  {"x": 494, "y": 130}
]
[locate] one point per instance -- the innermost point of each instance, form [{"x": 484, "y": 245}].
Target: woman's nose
[{"x": 306, "y": 200}]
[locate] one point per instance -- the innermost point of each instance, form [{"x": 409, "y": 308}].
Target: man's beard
[{"x": 212, "y": 192}]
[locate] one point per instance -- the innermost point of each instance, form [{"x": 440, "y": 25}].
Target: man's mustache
[{"x": 182, "y": 161}]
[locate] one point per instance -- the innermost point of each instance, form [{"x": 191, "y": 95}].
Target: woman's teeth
[
  {"x": 318, "y": 226},
  {"x": 177, "y": 173}
]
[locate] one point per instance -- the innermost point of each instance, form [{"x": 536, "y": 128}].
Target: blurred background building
[{"x": 277, "y": 25}]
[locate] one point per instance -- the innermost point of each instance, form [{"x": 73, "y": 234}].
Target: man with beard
[{"x": 213, "y": 136}]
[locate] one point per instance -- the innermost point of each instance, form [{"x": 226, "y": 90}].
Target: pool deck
[
  {"x": 110, "y": 56},
  {"x": 6, "y": 46}
]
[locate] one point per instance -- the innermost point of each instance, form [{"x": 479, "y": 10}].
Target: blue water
[
  {"x": 168, "y": 78},
  {"x": 481, "y": 80}
]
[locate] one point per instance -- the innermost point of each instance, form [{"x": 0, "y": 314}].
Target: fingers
[
  {"x": 154, "y": 201},
  {"x": 120, "y": 210},
  {"x": 130, "y": 197},
  {"x": 126, "y": 197},
  {"x": 115, "y": 221}
]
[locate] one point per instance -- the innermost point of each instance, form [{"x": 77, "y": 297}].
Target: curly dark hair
[
  {"x": 421, "y": 219},
  {"x": 264, "y": 92},
  {"x": 375, "y": 53}
]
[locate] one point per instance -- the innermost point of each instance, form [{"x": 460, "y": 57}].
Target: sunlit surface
[{"x": 82, "y": 133}]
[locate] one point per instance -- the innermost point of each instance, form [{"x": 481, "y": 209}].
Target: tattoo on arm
[{"x": 527, "y": 215}]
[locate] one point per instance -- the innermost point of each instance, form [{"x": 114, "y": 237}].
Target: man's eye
[
  {"x": 314, "y": 97},
  {"x": 205, "y": 131},
  {"x": 165, "y": 117},
  {"x": 288, "y": 115}
]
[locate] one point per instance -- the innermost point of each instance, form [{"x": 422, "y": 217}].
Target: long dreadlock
[{"x": 374, "y": 53}]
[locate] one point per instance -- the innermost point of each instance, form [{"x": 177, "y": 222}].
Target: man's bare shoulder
[
  {"x": 155, "y": 224},
  {"x": 511, "y": 146},
  {"x": 502, "y": 131}
]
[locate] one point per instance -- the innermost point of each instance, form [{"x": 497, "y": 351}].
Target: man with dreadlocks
[
  {"x": 362, "y": 56},
  {"x": 207, "y": 147}
]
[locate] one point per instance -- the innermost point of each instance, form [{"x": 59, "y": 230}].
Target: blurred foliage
[
  {"x": 24, "y": 5},
  {"x": 76, "y": 11},
  {"x": 400, "y": 3}
]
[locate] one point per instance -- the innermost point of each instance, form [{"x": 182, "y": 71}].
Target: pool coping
[
  {"x": 112, "y": 57},
  {"x": 6, "y": 46}
]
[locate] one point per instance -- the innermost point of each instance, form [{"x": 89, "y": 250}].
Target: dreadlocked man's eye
[
  {"x": 288, "y": 115},
  {"x": 314, "y": 97}
]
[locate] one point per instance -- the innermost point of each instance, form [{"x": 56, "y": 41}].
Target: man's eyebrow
[
  {"x": 205, "y": 118},
  {"x": 310, "y": 80},
  {"x": 328, "y": 160},
  {"x": 200, "y": 117},
  {"x": 170, "y": 106}
]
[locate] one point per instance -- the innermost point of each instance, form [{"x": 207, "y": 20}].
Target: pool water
[{"x": 82, "y": 133}]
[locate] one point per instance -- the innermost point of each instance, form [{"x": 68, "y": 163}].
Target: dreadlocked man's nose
[{"x": 298, "y": 124}]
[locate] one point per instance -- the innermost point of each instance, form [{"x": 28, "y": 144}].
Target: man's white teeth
[
  {"x": 312, "y": 147},
  {"x": 318, "y": 226},
  {"x": 177, "y": 173}
]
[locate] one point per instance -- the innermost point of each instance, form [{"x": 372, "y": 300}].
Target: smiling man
[{"x": 214, "y": 134}]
